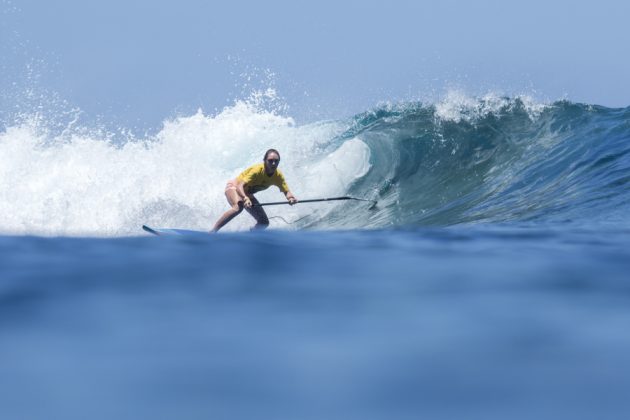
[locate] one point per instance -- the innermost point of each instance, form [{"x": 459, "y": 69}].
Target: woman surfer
[{"x": 240, "y": 191}]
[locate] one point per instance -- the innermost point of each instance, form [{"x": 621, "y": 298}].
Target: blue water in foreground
[
  {"x": 443, "y": 323},
  {"x": 492, "y": 281}
]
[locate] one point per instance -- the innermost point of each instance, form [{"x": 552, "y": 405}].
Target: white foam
[{"x": 85, "y": 184}]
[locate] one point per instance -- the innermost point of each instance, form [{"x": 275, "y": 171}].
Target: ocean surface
[{"x": 491, "y": 280}]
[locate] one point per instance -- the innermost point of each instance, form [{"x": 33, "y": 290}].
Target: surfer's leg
[
  {"x": 236, "y": 208},
  {"x": 262, "y": 221}
]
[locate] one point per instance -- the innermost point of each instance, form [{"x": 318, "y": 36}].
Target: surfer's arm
[
  {"x": 240, "y": 190},
  {"x": 282, "y": 185}
]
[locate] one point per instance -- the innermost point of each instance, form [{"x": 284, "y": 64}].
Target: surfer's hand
[
  {"x": 292, "y": 200},
  {"x": 247, "y": 202}
]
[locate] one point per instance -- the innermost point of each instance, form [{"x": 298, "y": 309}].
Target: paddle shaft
[{"x": 316, "y": 200}]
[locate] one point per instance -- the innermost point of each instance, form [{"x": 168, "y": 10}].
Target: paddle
[{"x": 316, "y": 200}]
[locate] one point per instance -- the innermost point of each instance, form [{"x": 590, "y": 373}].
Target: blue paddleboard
[{"x": 173, "y": 232}]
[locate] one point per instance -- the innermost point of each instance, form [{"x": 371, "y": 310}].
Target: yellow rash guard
[{"x": 255, "y": 179}]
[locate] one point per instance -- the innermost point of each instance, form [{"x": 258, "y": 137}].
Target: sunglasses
[{"x": 273, "y": 160}]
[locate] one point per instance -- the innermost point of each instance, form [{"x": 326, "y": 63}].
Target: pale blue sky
[{"x": 140, "y": 61}]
